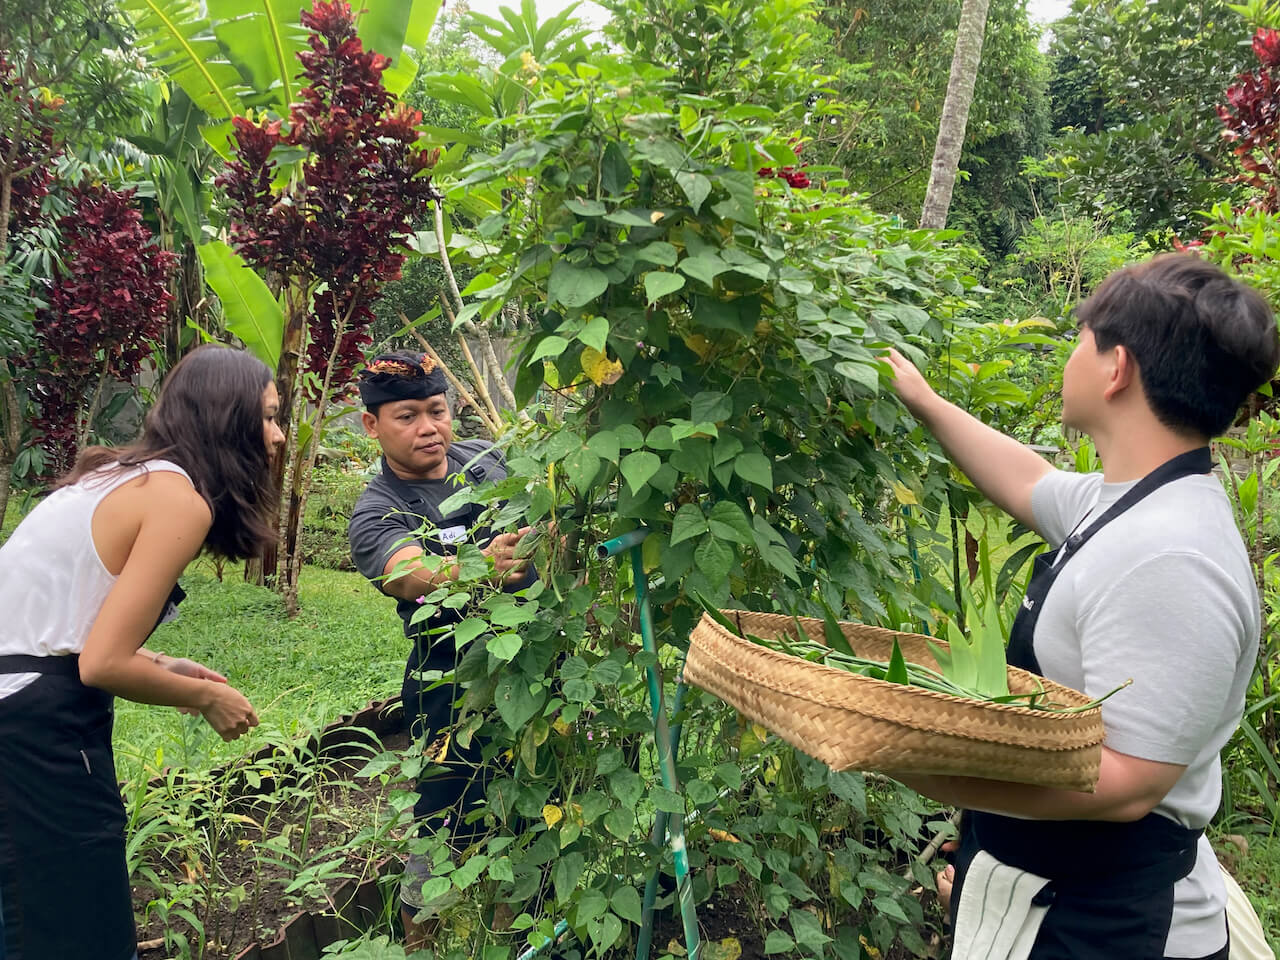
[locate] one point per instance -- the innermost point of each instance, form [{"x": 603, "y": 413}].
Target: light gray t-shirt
[{"x": 1163, "y": 595}]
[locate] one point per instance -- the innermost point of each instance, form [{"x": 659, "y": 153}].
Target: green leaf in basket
[
  {"x": 942, "y": 656},
  {"x": 1018, "y": 699},
  {"x": 714, "y": 613},
  {"x": 964, "y": 665},
  {"x": 897, "y": 672},
  {"x": 802, "y": 635},
  {"x": 993, "y": 671},
  {"x": 835, "y": 637},
  {"x": 779, "y": 641}
]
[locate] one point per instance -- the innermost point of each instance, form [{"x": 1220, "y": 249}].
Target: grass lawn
[
  {"x": 1257, "y": 870},
  {"x": 344, "y": 648}
]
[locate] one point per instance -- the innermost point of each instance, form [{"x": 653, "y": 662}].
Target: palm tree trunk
[{"x": 955, "y": 113}]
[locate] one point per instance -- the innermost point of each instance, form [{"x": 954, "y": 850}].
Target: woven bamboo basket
[{"x": 854, "y": 722}]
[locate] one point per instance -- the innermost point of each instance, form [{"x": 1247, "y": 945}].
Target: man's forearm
[
  {"x": 418, "y": 580},
  {"x": 999, "y": 466},
  {"x": 1128, "y": 789}
]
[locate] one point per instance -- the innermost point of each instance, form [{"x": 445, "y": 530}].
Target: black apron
[
  {"x": 63, "y": 879},
  {"x": 1110, "y": 890},
  {"x": 64, "y": 883}
]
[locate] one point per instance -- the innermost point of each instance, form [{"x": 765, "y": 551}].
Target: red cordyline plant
[
  {"x": 333, "y": 234},
  {"x": 106, "y": 304},
  {"x": 1251, "y": 121},
  {"x": 344, "y": 224}
]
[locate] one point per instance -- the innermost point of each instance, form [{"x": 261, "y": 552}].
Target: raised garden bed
[{"x": 274, "y": 856}]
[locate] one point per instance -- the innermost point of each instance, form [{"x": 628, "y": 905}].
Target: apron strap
[
  {"x": 1187, "y": 464},
  {"x": 1047, "y": 566},
  {"x": 61, "y": 666}
]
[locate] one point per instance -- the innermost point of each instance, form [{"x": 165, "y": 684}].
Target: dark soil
[
  {"x": 249, "y": 902},
  {"x": 725, "y": 915},
  {"x": 728, "y": 915}
]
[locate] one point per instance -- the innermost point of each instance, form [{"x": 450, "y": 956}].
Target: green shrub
[{"x": 334, "y": 493}]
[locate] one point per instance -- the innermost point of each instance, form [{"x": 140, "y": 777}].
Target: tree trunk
[
  {"x": 9, "y": 410},
  {"x": 486, "y": 344},
  {"x": 6, "y": 200},
  {"x": 296, "y": 303},
  {"x": 303, "y": 473},
  {"x": 11, "y": 437},
  {"x": 955, "y": 113}
]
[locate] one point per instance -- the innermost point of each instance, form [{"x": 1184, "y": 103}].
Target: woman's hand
[
  {"x": 228, "y": 712},
  {"x": 189, "y": 668}
]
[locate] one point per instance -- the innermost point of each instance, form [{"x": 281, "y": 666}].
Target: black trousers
[
  {"x": 61, "y": 821},
  {"x": 455, "y": 787}
]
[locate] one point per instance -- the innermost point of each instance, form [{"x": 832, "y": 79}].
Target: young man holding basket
[{"x": 1148, "y": 580}]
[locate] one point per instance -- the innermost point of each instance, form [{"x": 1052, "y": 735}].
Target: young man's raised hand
[{"x": 1001, "y": 467}]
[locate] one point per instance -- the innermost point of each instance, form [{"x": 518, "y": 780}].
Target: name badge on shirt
[{"x": 450, "y": 535}]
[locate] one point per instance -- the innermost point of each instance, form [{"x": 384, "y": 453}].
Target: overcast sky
[{"x": 1046, "y": 11}]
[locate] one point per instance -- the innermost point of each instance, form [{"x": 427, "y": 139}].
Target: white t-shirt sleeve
[
  {"x": 1060, "y": 500},
  {"x": 1171, "y": 624}
]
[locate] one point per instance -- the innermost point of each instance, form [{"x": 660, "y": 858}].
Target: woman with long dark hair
[{"x": 84, "y": 579}]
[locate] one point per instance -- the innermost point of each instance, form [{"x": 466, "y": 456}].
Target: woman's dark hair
[
  {"x": 208, "y": 420},
  {"x": 1203, "y": 341}
]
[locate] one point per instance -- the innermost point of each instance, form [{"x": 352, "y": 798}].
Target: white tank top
[{"x": 52, "y": 581}]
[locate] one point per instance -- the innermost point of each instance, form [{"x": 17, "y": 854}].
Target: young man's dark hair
[{"x": 1202, "y": 341}]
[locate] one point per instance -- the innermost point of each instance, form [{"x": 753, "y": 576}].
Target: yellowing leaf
[
  {"x": 722, "y": 835},
  {"x": 444, "y": 750},
  {"x": 872, "y": 951},
  {"x": 551, "y": 375},
  {"x": 551, "y": 814},
  {"x": 698, "y": 344},
  {"x": 727, "y": 949},
  {"x": 560, "y": 727},
  {"x": 904, "y": 494},
  {"x": 599, "y": 368}
]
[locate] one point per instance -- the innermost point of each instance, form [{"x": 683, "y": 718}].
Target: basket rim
[{"x": 911, "y": 690}]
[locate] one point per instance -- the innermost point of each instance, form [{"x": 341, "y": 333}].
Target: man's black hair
[{"x": 1203, "y": 341}]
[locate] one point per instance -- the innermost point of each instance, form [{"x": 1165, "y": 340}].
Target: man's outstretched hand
[
  {"x": 502, "y": 551},
  {"x": 910, "y": 385}
]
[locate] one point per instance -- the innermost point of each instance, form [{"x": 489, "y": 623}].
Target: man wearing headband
[{"x": 396, "y": 524}]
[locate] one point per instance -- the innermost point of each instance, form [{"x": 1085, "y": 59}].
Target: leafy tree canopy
[{"x": 1136, "y": 83}]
